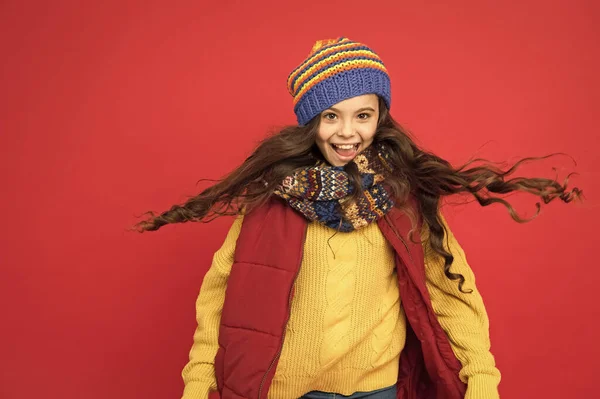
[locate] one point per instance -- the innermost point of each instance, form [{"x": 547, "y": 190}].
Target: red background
[{"x": 111, "y": 109}]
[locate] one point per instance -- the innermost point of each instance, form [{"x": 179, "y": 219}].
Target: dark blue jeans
[{"x": 384, "y": 393}]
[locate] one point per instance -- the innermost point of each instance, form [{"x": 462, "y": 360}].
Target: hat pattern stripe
[
  {"x": 342, "y": 43},
  {"x": 331, "y": 62},
  {"x": 346, "y": 66},
  {"x": 324, "y": 54},
  {"x": 307, "y": 74},
  {"x": 301, "y": 71}
]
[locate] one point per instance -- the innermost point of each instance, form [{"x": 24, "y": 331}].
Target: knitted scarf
[{"x": 321, "y": 192}]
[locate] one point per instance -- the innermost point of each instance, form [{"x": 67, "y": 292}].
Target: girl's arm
[
  {"x": 199, "y": 373},
  {"x": 464, "y": 319}
]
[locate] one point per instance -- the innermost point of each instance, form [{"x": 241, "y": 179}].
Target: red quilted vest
[{"x": 258, "y": 301}]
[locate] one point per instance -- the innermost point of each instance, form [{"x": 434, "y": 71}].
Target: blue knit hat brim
[{"x": 340, "y": 87}]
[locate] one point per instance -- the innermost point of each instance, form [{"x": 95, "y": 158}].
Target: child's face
[{"x": 347, "y": 128}]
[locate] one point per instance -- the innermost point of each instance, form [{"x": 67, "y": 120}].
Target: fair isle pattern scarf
[{"x": 321, "y": 192}]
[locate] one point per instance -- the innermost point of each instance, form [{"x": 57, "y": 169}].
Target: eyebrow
[{"x": 359, "y": 110}]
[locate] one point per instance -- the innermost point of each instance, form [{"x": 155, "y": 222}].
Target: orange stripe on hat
[
  {"x": 314, "y": 58},
  {"x": 323, "y": 64},
  {"x": 345, "y": 66}
]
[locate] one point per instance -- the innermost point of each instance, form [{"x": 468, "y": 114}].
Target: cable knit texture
[
  {"x": 347, "y": 329},
  {"x": 340, "y": 291}
]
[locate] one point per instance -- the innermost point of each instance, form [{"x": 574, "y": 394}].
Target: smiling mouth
[{"x": 346, "y": 150}]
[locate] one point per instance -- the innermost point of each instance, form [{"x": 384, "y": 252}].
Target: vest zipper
[{"x": 262, "y": 382}]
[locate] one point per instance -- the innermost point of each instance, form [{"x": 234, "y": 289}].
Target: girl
[{"x": 339, "y": 276}]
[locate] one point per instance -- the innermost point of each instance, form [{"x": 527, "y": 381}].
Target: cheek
[
  {"x": 323, "y": 136},
  {"x": 321, "y": 141},
  {"x": 325, "y": 132},
  {"x": 368, "y": 132}
]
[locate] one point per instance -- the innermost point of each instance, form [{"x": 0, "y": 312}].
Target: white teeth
[{"x": 345, "y": 147}]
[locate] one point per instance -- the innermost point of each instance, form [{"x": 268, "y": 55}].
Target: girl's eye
[
  {"x": 363, "y": 116},
  {"x": 331, "y": 116}
]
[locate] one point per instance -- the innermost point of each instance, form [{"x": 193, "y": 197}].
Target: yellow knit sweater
[{"x": 347, "y": 328}]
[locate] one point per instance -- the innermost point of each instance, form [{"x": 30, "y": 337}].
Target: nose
[{"x": 346, "y": 130}]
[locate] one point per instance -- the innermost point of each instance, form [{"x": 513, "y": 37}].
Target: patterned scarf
[{"x": 321, "y": 192}]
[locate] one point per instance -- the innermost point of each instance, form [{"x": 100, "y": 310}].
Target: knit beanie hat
[{"x": 336, "y": 70}]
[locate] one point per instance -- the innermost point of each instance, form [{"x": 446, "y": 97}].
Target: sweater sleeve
[
  {"x": 463, "y": 317},
  {"x": 199, "y": 374}
]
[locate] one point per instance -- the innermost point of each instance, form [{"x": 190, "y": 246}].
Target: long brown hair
[{"x": 417, "y": 173}]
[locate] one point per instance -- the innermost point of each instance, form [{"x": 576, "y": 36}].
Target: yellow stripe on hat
[
  {"x": 330, "y": 60},
  {"x": 332, "y": 49},
  {"x": 334, "y": 70}
]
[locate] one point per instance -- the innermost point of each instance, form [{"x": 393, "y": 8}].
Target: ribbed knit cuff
[
  {"x": 483, "y": 386},
  {"x": 340, "y": 87},
  {"x": 196, "y": 390}
]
